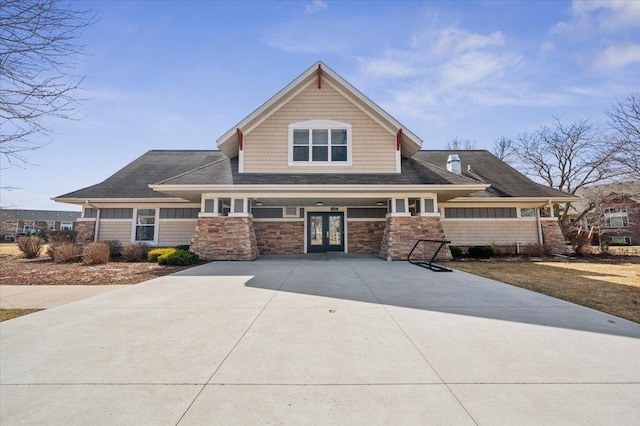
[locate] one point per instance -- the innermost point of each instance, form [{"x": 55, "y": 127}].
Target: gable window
[
  {"x": 320, "y": 142},
  {"x": 145, "y": 224},
  {"x": 616, "y": 217}
]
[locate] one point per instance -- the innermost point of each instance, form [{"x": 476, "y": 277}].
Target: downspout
[
  {"x": 95, "y": 232},
  {"x": 540, "y": 237}
]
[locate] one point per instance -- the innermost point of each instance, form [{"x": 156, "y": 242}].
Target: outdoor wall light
[
  {"x": 380, "y": 203},
  {"x": 319, "y": 203}
]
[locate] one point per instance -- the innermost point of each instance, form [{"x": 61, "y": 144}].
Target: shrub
[
  {"x": 62, "y": 236},
  {"x": 537, "y": 250},
  {"x": 456, "y": 251},
  {"x": 65, "y": 253},
  {"x": 134, "y": 252},
  {"x": 580, "y": 243},
  {"x": 30, "y": 246},
  {"x": 96, "y": 254},
  {"x": 178, "y": 258},
  {"x": 481, "y": 252},
  {"x": 115, "y": 248},
  {"x": 183, "y": 247},
  {"x": 154, "y": 254}
]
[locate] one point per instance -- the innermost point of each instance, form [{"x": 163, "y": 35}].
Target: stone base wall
[
  {"x": 365, "y": 237},
  {"x": 401, "y": 233},
  {"x": 552, "y": 236},
  {"x": 225, "y": 238},
  {"x": 85, "y": 232},
  {"x": 279, "y": 237}
]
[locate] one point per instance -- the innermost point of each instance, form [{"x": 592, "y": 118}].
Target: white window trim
[
  {"x": 155, "y": 225},
  {"x": 321, "y": 125}
]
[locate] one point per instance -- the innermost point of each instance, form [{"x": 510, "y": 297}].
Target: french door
[{"x": 325, "y": 232}]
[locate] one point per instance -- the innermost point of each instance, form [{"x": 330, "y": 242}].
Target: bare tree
[
  {"x": 39, "y": 49},
  {"x": 568, "y": 157},
  {"x": 624, "y": 121},
  {"x": 504, "y": 149},
  {"x": 458, "y": 144}
]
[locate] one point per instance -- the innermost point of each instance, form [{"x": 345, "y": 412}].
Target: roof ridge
[
  {"x": 192, "y": 170},
  {"x": 427, "y": 164}
]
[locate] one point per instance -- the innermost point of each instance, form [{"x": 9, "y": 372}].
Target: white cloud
[
  {"x": 547, "y": 46},
  {"x": 382, "y": 68},
  {"x": 592, "y": 17},
  {"x": 457, "y": 41},
  {"x": 316, "y": 6},
  {"x": 618, "y": 56}
]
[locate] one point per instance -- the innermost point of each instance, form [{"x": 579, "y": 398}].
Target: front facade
[
  {"x": 318, "y": 168},
  {"x": 17, "y": 222}
]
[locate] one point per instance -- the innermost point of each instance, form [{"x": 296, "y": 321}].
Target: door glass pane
[
  {"x": 335, "y": 230},
  {"x": 316, "y": 231},
  {"x": 320, "y": 153}
]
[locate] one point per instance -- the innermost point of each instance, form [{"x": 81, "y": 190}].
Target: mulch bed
[{"x": 43, "y": 271}]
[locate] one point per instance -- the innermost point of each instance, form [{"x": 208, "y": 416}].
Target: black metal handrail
[{"x": 430, "y": 264}]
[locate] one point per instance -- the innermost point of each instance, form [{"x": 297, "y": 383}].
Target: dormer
[{"x": 319, "y": 123}]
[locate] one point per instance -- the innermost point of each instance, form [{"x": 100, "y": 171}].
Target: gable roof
[
  {"x": 485, "y": 167},
  {"x": 132, "y": 181},
  {"x": 228, "y": 143}
]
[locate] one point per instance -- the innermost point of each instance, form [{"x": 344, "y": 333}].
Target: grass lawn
[
  {"x": 7, "y": 314},
  {"x": 613, "y": 288}
]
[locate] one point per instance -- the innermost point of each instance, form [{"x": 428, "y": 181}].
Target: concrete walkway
[
  {"x": 48, "y": 296},
  {"x": 296, "y": 341}
]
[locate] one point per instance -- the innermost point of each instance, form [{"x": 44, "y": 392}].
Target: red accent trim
[
  {"x": 398, "y": 139},
  {"x": 240, "y": 139},
  {"x": 319, "y": 76}
]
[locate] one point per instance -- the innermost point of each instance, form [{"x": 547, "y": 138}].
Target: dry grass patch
[
  {"x": 7, "y": 314},
  {"x": 613, "y": 288}
]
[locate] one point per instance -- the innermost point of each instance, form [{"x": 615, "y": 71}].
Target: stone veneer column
[
  {"x": 401, "y": 233},
  {"x": 552, "y": 236},
  {"x": 225, "y": 238},
  {"x": 85, "y": 232}
]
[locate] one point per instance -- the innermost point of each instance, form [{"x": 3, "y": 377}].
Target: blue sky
[{"x": 177, "y": 75}]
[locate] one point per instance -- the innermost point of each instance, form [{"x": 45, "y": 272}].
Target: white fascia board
[
  {"x": 312, "y": 190},
  {"x": 84, "y": 201},
  {"x": 539, "y": 200}
]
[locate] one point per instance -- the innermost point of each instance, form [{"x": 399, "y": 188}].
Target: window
[
  {"x": 479, "y": 213},
  {"x": 28, "y": 229},
  {"x": 66, "y": 226},
  {"x": 527, "y": 212},
  {"x": 616, "y": 217},
  {"x": 145, "y": 224},
  {"x": 623, "y": 240},
  {"x": 51, "y": 225},
  {"x": 320, "y": 142}
]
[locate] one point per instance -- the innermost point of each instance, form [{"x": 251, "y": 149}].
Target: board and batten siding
[
  {"x": 474, "y": 232},
  {"x": 266, "y": 147},
  {"x": 176, "y": 232},
  {"x": 119, "y": 230}
]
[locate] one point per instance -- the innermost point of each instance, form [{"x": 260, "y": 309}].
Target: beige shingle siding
[
  {"x": 266, "y": 146},
  {"x": 119, "y": 230},
  {"x": 473, "y": 232},
  {"x": 176, "y": 232}
]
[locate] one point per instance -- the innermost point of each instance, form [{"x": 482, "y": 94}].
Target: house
[
  {"x": 16, "y": 223},
  {"x": 616, "y": 215},
  {"x": 317, "y": 168}
]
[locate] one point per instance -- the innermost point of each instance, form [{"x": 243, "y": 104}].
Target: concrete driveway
[{"x": 344, "y": 342}]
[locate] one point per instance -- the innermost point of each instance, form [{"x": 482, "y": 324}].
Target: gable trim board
[{"x": 413, "y": 187}]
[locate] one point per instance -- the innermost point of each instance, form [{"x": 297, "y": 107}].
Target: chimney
[{"x": 454, "y": 165}]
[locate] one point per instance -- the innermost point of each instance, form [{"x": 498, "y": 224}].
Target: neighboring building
[
  {"x": 616, "y": 216},
  {"x": 16, "y": 223},
  {"x": 317, "y": 168}
]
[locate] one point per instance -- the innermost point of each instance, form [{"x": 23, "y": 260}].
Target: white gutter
[{"x": 320, "y": 188}]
